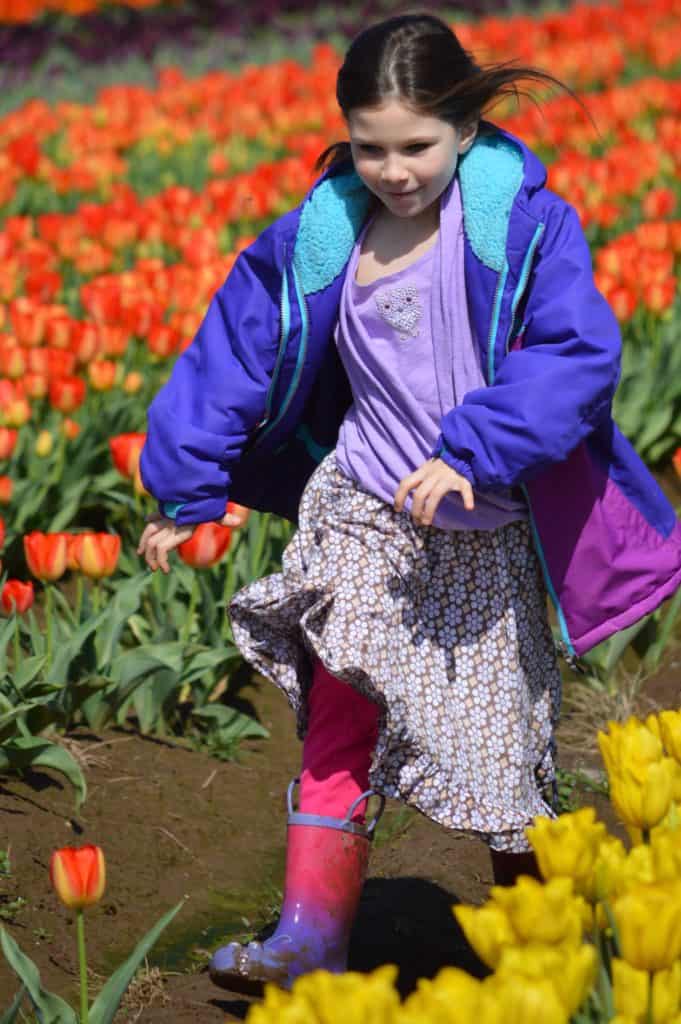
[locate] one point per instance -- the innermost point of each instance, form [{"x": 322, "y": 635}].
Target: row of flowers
[
  {"x": 19, "y": 12},
  {"x": 599, "y": 940}
]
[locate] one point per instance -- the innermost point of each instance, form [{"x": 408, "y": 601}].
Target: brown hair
[{"x": 418, "y": 59}]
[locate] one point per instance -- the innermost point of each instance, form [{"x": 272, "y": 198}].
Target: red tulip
[
  {"x": 8, "y": 439},
  {"x": 67, "y": 393},
  {"x": 2, "y": 532},
  {"x": 238, "y": 510},
  {"x": 125, "y": 452},
  {"x": 45, "y": 555},
  {"x": 16, "y": 596},
  {"x": 78, "y": 875},
  {"x": 676, "y": 461},
  {"x": 6, "y": 488},
  {"x": 70, "y": 428},
  {"x": 96, "y": 554},
  {"x": 206, "y": 546},
  {"x": 36, "y": 385}
]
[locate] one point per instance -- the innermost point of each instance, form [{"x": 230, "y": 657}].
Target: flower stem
[
  {"x": 82, "y": 960},
  {"x": 79, "y": 597},
  {"x": 193, "y": 598},
  {"x": 17, "y": 642},
  {"x": 48, "y": 620},
  {"x": 96, "y": 596}
]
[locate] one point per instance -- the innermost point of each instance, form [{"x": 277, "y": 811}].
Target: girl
[{"x": 424, "y": 334}]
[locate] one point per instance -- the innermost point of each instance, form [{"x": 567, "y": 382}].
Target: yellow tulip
[
  {"x": 568, "y": 847},
  {"x": 487, "y": 929},
  {"x": 607, "y": 867},
  {"x": 670, "y": 729},
  {"x": 523, "y": 1001},
  {"x": 640, "y": 775},
  {"x": 648, "y": 920},
  {"x": 634, "y": 990},
  {"x": 331, "y": 998},
  {"x": 549, "y": 914},
  {"x": 44, "y": 444},
  {"x": 572, "y": 972},
  {"x": 665, "y": 847},
  {"x": 434, "y": 999}
]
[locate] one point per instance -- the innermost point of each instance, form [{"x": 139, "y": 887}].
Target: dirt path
[{"x": 175, "y": 823}]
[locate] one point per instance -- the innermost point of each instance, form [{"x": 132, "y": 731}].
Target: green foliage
[
  {"x": 155, "y": 647},
  {"x": 51, "y": 1009},
  {"x": 647, "y": 404},
  {"x": 646, "y": 639}
]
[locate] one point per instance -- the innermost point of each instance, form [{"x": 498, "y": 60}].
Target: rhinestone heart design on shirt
[{"x": 401, "y": 308}]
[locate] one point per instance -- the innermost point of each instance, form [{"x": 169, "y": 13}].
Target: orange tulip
[
  {"x": 125, "y": 452},
  {"x": 206, "y": 546},
  {"x": 78, "y": 875},
  {"x": 96, "y": 554},
  {"x": 102, "y": 374},
  {"x": 46, "y": 555},
  {"x": 16, "y": 596}
]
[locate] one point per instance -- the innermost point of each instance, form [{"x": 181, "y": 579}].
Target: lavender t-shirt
[{"x": 384, "y": 341}]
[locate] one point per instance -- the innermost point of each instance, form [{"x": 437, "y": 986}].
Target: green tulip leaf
[
  {"x": 32, "y": 752},
  {"x": 28, "y": 670},
  {"x": 104, "y": 1008},
  {"x": 125, "y": 603},
  {"x": 9, "y": 1016},
  {"x": 49, "y": 1008}
]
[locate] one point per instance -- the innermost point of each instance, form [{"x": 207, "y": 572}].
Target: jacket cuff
[
  {"x": 460, "y": 465},
  {"x": 169, "y": 509}
]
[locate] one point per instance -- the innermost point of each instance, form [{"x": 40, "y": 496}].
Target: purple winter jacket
[{"x": 257, "y": 399}]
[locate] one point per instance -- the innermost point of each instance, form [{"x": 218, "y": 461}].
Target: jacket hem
[{"x": 627, "y": 618}]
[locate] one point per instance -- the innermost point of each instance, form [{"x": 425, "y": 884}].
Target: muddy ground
[{"x": 178, "y": 824}]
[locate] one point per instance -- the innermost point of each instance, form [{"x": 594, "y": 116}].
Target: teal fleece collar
[{"x": 490, "y": 173}]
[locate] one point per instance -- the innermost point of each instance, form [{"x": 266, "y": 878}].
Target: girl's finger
[{"x": 407, "y": 485}]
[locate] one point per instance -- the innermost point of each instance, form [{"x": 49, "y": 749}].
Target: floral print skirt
[{"x": 446, "y": 631}]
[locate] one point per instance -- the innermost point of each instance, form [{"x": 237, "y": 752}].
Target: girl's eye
[{"x": 417, "y": 147}]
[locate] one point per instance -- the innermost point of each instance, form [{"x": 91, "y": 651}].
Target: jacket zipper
[
  {"x": 284, "y": 330},
  {"x": 267, "y": 427},
  {"x": 565, "y": 645}
]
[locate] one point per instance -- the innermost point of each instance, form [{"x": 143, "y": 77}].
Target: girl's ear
[{"x": 467, "y": 136}]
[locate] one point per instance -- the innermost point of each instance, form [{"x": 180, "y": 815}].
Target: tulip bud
[
  {"x": 44, "y": 444},
  {"x": 132, "y": 382},
  {"x": 78, "y": 875},
  {"x": 97, "y": 554},
  {"x": 67, "y": 393},
  {"x": 45, "y": 555},
  {"x": 16, "y": 596},
  {"x": 125, "y": 452},
  {"x": 102, "y": 374},
  {"x": 70, "y": 428},
  {"x": 206, "y": 546},
  {"x": 6, "y": 488},
  {"x": 8, "y": 440}
]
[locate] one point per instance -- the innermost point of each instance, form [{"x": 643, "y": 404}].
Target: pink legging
[{"x": 341, "y": 736}]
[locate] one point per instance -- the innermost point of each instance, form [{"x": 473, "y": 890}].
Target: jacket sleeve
[
  {"x": 551, "y": 393},
  {"x": 201, "y": 418}
]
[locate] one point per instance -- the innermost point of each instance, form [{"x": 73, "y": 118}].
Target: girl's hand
[
  {"x": 430, "y": 482},
  {"x": 160, "y": 536}
]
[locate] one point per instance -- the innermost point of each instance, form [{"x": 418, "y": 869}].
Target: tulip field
[{"x": 121, "y": 213}]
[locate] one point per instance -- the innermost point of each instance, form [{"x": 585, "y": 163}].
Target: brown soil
[{"x": 177, "y": 824}]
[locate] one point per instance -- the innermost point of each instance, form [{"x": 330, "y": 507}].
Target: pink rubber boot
[{"x": 327, "y": 853}]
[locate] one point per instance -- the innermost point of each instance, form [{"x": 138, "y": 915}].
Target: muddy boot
[{"x": 326, "y": 860}]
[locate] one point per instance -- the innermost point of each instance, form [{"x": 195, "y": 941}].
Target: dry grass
[
  {"x": 84, "y": 752},
  {"x": 588, "y": 709},
  {"x": 147, "y": 988}
]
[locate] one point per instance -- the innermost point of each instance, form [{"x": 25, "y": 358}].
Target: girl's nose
[{"x": 392, "y": 171}]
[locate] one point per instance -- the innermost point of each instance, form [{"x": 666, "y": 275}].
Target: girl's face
[{"x": 406, "y": 159}]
